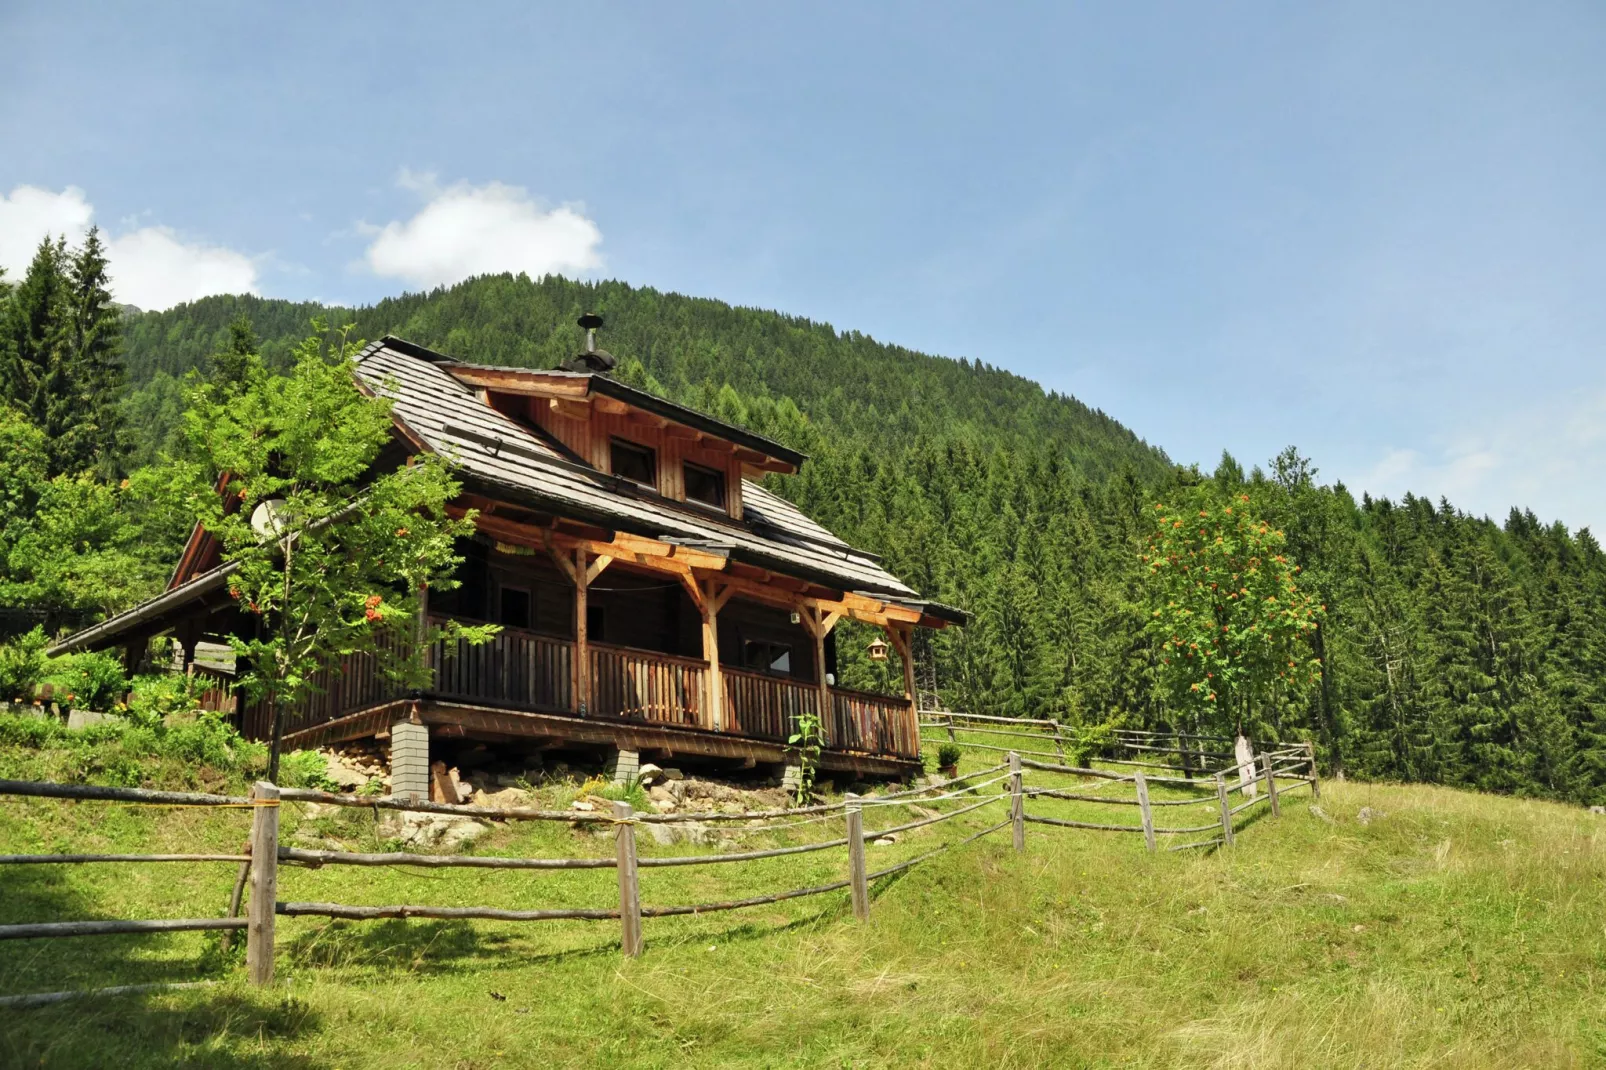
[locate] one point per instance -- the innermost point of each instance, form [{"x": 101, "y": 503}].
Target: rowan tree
[{"x": 1228, "y": 614}]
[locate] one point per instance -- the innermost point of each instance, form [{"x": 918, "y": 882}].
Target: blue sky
[{"x": 1376, "y": 231}]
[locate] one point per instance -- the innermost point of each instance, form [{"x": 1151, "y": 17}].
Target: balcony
[{"x": 524, "y": 672}]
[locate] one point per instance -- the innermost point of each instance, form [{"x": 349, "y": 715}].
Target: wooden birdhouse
[{"x": 878, "y": 649}]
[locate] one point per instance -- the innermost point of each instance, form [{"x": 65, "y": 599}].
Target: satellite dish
[{"x": 268, "y": 517}]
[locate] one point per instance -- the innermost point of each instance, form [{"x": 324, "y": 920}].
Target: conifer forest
[{"x": 1421, "y": 643}]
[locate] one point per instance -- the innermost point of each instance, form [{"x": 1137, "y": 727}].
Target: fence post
[
  {"x": 629, "y": 889},
  {"x": 1059, "y": 742},
  {"x": 1017, "y": 802},
  {"x": 951, "y": 737},
  {"x": 1148, "y": 813},
  {"x": 260, "y": 914},
  {"x": 1271, "y": 785},
  {"x": 1226, "y": 810},
  {"x": 1315, "y": 781},
  {"x": 856, "y": 869}
]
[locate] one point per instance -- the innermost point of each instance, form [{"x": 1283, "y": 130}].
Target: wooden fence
[{"x": 1278, "y": 770}]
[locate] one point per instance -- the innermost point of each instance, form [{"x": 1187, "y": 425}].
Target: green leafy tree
[
  {"x": 1228, "y": 613},
  {"x": 340, "y": 552}
]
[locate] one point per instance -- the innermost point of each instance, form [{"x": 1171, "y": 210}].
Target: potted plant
[{"x": 948, "y": 759}]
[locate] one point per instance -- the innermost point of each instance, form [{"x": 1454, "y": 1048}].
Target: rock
[
  {"x": 582, "y": 806},
  {"x": 1366, "y": 815},
  {"x": 512, "y": 780},
  {"x": 922, "y": 811},
  {"x": 885, "y": 841},
  {"x": 505, "y": 799},
  {"x": 461, "y": 789},
  {"x": 674, "y": 774},
  {"x": 344, "y": 776},
  {"x": 432, "y": 830},
  {"x": 694, "y": 832},
  {"x": 1597, "y": 809},
  {"x": 1320, "y": 814},
  {"x": 649, "y": 774}
]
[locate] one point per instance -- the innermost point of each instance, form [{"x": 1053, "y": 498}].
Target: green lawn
[{"x": 1453, "y": 930}]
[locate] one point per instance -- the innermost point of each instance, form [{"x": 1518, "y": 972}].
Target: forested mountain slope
[
  {"x": 692, "y": 347},
  {"x": 1453, "y": 649}
]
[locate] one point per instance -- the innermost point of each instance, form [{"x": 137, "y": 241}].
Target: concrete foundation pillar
[
  {"x": 409, "y": 760},
  {"x": 791, "y": 778},
  {"x": 622, "y": 765}
]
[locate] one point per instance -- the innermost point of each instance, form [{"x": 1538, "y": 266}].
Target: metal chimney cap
[{"x": 590, "y": 321}]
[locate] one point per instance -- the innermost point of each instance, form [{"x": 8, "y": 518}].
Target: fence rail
[{"x": 1278, "y": 771}]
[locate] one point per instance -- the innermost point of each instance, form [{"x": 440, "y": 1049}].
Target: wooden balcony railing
[
  {"x": 641, "y": 685},
  {"x": 765, "y": 707},
  {"x": 523, "y": 670}
]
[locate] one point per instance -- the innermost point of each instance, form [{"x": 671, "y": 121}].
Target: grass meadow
[{"x": 1448, "y": 930}]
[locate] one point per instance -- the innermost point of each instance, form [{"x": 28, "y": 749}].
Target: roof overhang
[
  {"x": 148, "y": 618},
  {"x": 581, "y": 387}
]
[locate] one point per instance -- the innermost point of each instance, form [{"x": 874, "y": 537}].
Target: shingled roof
[{"x": 506, "y": 459}]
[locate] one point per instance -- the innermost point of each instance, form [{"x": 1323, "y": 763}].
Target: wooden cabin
[{"x": 654, "y": 599}]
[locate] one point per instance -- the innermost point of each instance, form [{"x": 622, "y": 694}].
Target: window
[
  {"x": 515, "y": 607},
  {"x": 635, "y": 463},
  {"x": 767, "y": 657},
  {"x": 705, "y": 485}
]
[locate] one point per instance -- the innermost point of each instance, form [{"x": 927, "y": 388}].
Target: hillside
[
  {"x": 1453, "y": 649},
  {"x": 1400, "y": 926},
  {"x": 692, "y": 347}
]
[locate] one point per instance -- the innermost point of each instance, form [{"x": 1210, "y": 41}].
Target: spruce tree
[{"x": 90, "y": 417}]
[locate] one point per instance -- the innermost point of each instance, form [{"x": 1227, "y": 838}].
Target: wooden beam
[
  {"x": 521, "y": 381},
  {"x": 712, "y": 599},
  {"x": 582, "y": 654},
  {"x": 611, "y": 406},
  {"x": 571, "y": 409},
  {"x": 596, "y": 568}
]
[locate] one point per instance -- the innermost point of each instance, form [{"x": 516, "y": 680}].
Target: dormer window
[
  {"x": 705, "y": 485},
  {"x": 634, "y": 462}
]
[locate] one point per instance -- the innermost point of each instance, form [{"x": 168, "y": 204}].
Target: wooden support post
[
  {"x": 710, "y": 606},
  {"x": 1271, "y": 785},
  {"x": 629, "y": 888},
  {"x": 856, "y": 868},
  {"x": 1315, "y": 781},
  {"x": 951, "y": 737},
  {"x": 1226, "y": 810},
  {"x": 1059, "y": 743},
  {"x": 1148, "y": 811},
  {"x": 264, "y": 883},
  {"x": 1017, "y": 802},
  {"x": 582, "y": 652}
]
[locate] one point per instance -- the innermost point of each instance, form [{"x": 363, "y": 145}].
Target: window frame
[
  {"x": 721, "y": 479},
  {"x": 528, "y": 591},
  {"x": 615, "y": 442}
]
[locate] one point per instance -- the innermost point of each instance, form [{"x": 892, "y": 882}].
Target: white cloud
[
  {"x": 1547, "y": 457},
  {"x": 468, "y": 230},
  {"x": 151, "y": 267}
]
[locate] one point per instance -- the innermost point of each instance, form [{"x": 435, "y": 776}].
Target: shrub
[
  {"x": 88, "y": 681},
  {"x": 22, "y": 663},
  {"x": 948, "y": 755},
  {"x": 156, "y": 699},
  {"x": 305, "y": 769}
]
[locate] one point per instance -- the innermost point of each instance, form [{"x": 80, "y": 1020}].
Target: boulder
[
  {"x": 694, "y": 832},
  {"x": 342, "y": 774},
  {"x": 416, "y": 830},
  {"x": 649, "y": 774},
  {"x": 885, "y": 841},
  {"x": 505, "y": 799},
  {"x": 673, "y": 774}
]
